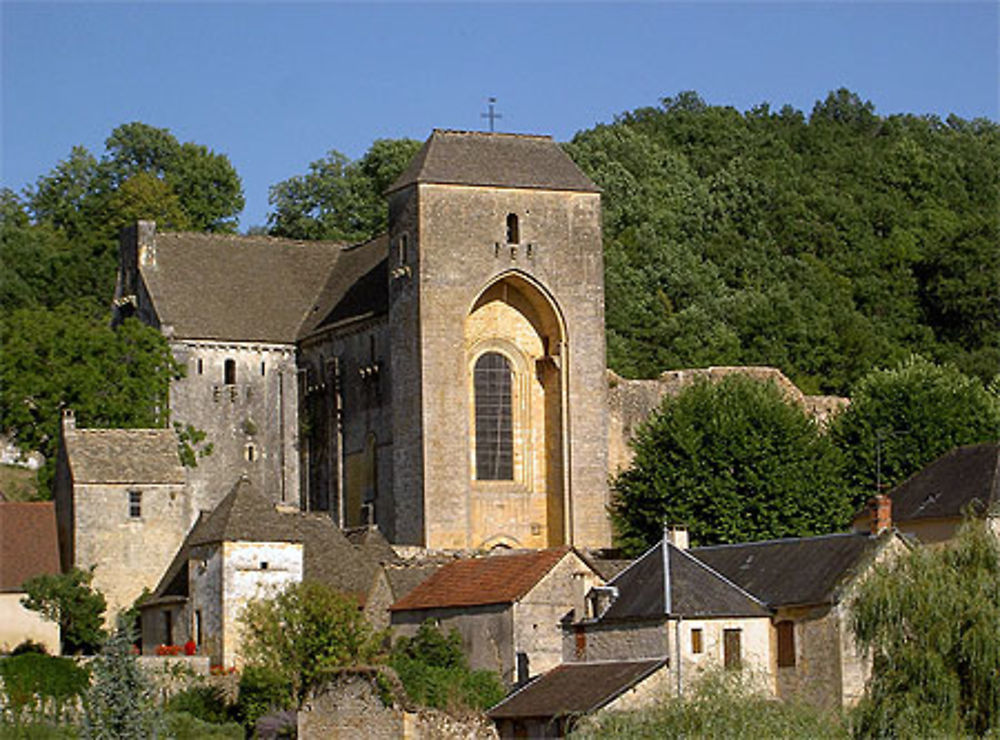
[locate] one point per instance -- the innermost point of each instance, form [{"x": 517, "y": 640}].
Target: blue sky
[{"x": 277, "y": 85}]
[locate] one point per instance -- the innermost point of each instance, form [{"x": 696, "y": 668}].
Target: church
[{"x": 444, "y": 381}]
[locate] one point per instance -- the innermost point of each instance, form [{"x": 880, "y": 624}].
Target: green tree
[
  {"x": 931, "y": 620},
  {"x": 902, "y": 418},
  {"x": 120, "y": 704},
  {"x": 734, "y": 461},
  {"x": 304, "y": 633},
  {"x": 338, "y": 199},
  {"x": 70, "y": 357},
  {"x": 68, "y": 600},
  {"x": 435, "y": 672}
]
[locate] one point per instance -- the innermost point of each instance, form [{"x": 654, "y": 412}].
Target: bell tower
[{"x": 496, "y": 313}]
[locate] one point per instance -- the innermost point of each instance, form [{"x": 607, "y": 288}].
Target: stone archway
[{"x": 514, "y": 351}]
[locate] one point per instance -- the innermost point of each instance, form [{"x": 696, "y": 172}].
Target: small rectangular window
[
  {"x": 696, "y": 643},
  {"x": 135, "y": 504},
  {"x": 229, "y": 372},
  {"x": 786, "y": 644}
]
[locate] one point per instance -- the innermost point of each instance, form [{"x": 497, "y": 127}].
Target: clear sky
[{"x": 276, "y": 85}]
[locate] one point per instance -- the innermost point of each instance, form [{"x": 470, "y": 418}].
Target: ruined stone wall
[
  {"x": 631, "y": 402},
  {"x": 459, "y": 249},
  {"x": 251, "y": 423},
  {"x": 128, "y": 553}
]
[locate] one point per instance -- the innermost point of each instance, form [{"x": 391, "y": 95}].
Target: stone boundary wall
[{"x": 631, "y": 402}]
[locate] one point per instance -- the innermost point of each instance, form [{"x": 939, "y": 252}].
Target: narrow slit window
[
  {"x": 201, "y": 366},
  {"x": 229, "y": 372},
  {"x": 404, "y": 248},
  {"x": 135, "y": 504},
  {"x": 262, "y": 367},
  {"x": 513, "y": 230},
  {"x": 494, "y": 424}
]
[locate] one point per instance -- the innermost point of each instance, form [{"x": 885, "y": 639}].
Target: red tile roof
[
  {"x": 494, "y": 579},
  {"x": 28, "y": 542}
]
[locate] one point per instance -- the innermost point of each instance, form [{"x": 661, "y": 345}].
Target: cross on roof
[{"x": 492, "y": 114}]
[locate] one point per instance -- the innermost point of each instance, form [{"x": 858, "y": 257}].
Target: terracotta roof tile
[
  {"x": 493, "y": 579},
  {"x": 123, "y": 456},
  {"x": 28, "y": 542}
]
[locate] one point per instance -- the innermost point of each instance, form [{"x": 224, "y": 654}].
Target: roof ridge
[
  {"x": 284, "y": 240},
  {"x": 494, "y": 134},
  {"x": 831, "y": 535}
]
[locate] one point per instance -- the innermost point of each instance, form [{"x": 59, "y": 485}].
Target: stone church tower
[{"x": 496, "y": 320}]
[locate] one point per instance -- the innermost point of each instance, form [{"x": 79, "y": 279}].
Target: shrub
[
  {"x": 435, "y": 672},
  {"x": 723, "y": 704},
  {"x": 206, "y": 703},
  {"x": 261, "y": 691},
  {"x": 29, "y": 646},
  {"x": 37, "y": 686},
  {"x": 186, "y": 726}
]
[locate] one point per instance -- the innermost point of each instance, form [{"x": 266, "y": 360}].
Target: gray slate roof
[
  {"x": 950, "y": 484},
  {"x": 244, "y": 515},
  {"x": 496, "y": 160},
  {"x": 123, "y": 456},
  {"x": 574, "y": 689},
  {"x": 695, "y": 590},
  {"x": 804, "y": 570}
]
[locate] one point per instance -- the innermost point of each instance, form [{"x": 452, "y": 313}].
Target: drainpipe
[
  {"x": 568, "y": 538},
  {"x": 677, "y": 650}
]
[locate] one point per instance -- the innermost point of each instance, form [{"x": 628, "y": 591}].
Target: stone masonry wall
[{"x": 631, "y": 402}]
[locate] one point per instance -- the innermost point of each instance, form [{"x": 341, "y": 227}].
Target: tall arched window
[
  {"x": 513, "y": 232},
  {"x": 494, "y": 423}
]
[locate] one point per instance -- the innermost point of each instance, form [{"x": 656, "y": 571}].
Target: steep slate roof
[
  {"x": 804, "y": 570},
  {"x": 123, "y": 456},
  {"x": 573, "y": 689},
  {"x": 695, "y": 590},
  {"x": 950, "y": 484},
  {"x": 497, "y": 160},
  {"x": 28, "y": 542},
  {"x": 244, "y": 515},
  {"x": 493, "y": 579},
  {"x": 246, "y": 288}
]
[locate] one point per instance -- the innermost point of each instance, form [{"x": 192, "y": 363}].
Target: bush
[
  {"x": 722, "y": 704},
  {"x": 40, "y": 686},
  {"x": 435, "y": 673},
  {"x": 261, "y": 691},
  {"x": 206, "y": 703},
  {"x": 186, "y": 726},
  {"x": 29, "y": 646}
]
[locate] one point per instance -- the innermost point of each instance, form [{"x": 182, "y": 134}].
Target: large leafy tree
[
  {"x": 825, "y": 244},
  {"x": 304, "y": 633},
  {"x": 904, "y": 417},
  {"x": 68, "y": 600},
  {"x": 70, "y": 357},
  {"x": 732, "y": 460},
  {"x": 339, "y": 199},
  {"x": 931, "y": 620}
]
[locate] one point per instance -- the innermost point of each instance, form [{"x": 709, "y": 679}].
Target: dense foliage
[
  {"x": 304, "y": 633},
  {"x": 732, "y": 460},
  {"x": 722, "y": 705},
  {"x": 35, "y": 687},
  {"x": 120, "y": 703},
  {"x": 58, "y": 257},
  {"x": 902, "y": 418},
  {"x": 435, "y": 672},
  {"x": 338, "y": 199},
  {"x": 932, "y": 620},
  {"x": 823, "y": 245},
  {"x": 68, "y": 600}
]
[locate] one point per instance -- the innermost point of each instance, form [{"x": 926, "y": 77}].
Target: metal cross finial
[{"x": 492, "y": 114}]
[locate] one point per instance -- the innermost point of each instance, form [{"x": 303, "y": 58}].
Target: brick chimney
[{"x": 880, "y": 507}]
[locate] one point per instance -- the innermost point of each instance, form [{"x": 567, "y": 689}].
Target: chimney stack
[
  {"x": 881, "y": 513},
  {"x": 68, "y": 420},
  {"x": 676, "y": 535}
]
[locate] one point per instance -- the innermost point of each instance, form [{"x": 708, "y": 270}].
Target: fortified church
[{"x": 444, "y": 382}]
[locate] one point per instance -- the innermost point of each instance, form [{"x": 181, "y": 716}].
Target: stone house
[
  {"x": 551, "y": 705},
  {"x": 808, "y": 583},
  {"x": 28, "y": 548},
  {"x": 931, "y": 503},
  {"x": 121, "y": 507},
  {"x": 507, "y": 608},
  {"x": 248, "y": 548},
  {"x": 444, "y": 381},
  {"x": 670, "y": 606}
]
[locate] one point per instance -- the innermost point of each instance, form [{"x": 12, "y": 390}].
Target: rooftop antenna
[{"x": 492, "y": 114}]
